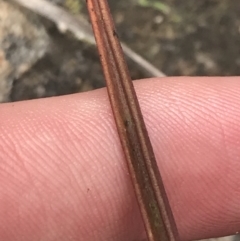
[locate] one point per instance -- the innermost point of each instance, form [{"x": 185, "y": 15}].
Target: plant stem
[{"x": 147, "y": 182}]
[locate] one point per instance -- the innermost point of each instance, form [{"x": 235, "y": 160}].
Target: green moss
[{"x": 74, "y": 6}]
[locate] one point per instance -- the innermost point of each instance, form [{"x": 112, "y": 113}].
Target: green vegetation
[
  {"x": 74, "y": 6},
  {"x": 158, "y": 5}
]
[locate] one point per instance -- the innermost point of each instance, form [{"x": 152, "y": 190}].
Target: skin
[{"x": 63, "y": 175}]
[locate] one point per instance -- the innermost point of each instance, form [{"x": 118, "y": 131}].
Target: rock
[{"x": 23, "y": 41}]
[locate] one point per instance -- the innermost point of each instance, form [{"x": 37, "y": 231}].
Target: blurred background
[{"x": 178, "y": 37}]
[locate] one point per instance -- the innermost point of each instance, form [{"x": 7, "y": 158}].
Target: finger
[{"x": 63, "y": 175}]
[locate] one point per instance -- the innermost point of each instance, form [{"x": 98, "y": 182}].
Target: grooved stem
[{"x": 147, "y": 182}]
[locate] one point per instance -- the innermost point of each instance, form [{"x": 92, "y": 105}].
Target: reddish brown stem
[{"x": 133, "y": 134}]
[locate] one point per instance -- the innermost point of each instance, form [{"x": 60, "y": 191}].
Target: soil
[{"x": 190, "y": 38}]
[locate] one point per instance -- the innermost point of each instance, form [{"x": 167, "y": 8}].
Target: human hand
[{"x": 63, "y": 175}]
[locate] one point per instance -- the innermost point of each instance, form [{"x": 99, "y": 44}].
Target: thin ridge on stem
[{"x": 147, "y": 182}]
